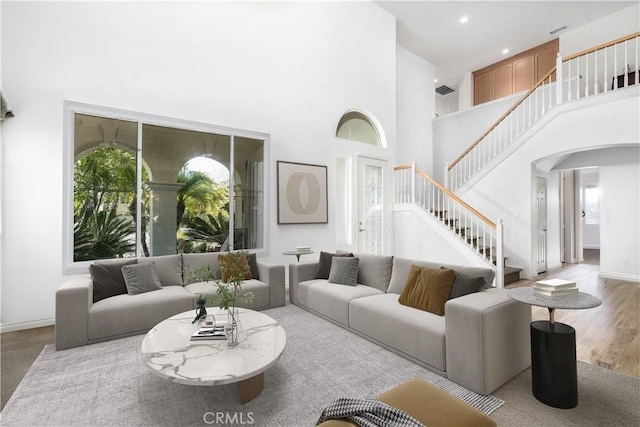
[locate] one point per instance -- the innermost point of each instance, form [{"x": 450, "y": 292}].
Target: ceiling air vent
[{"x": 444, "y": 89}]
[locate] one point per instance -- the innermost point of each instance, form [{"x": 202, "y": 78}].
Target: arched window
[{"x": 356, "y": 126}]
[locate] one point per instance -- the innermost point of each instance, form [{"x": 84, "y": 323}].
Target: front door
[
  {"x": 372, "y": 217},
  {"x": 541, "y": 226}
]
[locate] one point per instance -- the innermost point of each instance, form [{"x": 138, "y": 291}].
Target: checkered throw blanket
[{"x": 368, "y": 412}]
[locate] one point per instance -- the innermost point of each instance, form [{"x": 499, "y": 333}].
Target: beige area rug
[
  {"x": 107, "y": 384},
  {"x": 605, "y": 399}
]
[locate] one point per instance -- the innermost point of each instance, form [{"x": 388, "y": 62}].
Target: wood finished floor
[{"x": 606, "y": 336}]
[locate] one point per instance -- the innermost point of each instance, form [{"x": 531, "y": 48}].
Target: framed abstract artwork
[{"x": 302, "y": 193}]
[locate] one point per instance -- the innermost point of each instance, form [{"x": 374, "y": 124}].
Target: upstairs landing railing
[
  {"x": 481, "y": 234},
  {"x": 603, "y": 68}
]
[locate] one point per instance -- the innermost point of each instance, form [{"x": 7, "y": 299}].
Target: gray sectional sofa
[
  {"x": 81, "y": 321},
  {"x": 481, "y": 342}
]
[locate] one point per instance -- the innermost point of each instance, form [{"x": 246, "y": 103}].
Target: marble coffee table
[{"x": 168, "y": 351}]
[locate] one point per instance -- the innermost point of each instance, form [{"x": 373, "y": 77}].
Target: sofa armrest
[
  {"x": 300, "y": 272},
  {"x": 73, "y": 301},
  {"x": 487, "y": 341},
  {"x": 273, "y": 275}
]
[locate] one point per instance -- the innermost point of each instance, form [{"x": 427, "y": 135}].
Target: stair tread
[{"x": 508, "y": 270}]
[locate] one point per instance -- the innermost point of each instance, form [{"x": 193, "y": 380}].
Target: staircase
[
  {"x": 480, "y": 235},
  {"x": 577, "y": 76},
  {"x": 510, "y": 274}
]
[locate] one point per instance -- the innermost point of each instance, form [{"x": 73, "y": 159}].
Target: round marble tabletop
[
  {"x": 578, "y": 301},
  {"x": 297, "y": 253},
  {"x": 168, "y": 351}
]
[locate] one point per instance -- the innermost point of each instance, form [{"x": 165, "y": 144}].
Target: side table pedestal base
[{"x": 554, "y": 371}]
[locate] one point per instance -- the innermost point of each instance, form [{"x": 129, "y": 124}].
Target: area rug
[
  {"x": 605, "y": 398},
  {"x": 108, "y": 384}
]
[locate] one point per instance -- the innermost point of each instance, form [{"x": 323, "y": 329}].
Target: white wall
[
  {"x": 424, "y": 238},
  {"x": 508, "y": 191},
  {"x": 452, "y": 134},
  {"x": 606, "y": 29},
  {"x": 415, "y": 110},
  {"x": 620, "y": 220},
  {"x": 287, "y": 69}
]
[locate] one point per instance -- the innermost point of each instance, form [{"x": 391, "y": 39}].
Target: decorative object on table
[
  {"x": 201, "y": 311},
  {"x": 555, "y": 288},
  {"x": 302, "y": 193},
  {"x": 303, "y": 249},
  {"x": 235, "y": 269},
  {"x": 209, "y": 329}
]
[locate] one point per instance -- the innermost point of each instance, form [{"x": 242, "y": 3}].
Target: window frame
[{"x": 71, "y": 108}]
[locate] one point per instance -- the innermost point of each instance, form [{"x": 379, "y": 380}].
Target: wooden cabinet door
[
  {"x": 502, "y": 81},
  {"x": 545, "y": 61},
  {"x": 483, "y": 88},
  {"x": 523, "y": 75}
]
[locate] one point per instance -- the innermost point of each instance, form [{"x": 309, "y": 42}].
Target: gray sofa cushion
[
  {"x": 260, "y": 292},
  {"x": 375, "y": 271},
  {"x": 195, "y": 261},
  {"x": 344, "y": 271},
  {"x": 330, "y": 299},
  {"x": 463, "y": 284},
  {"x": 107, "y": 279},
  {"x": 486, "y": 273},
  {"x": 324, "y": 263},
  {"x": 169, "y": 268},
  {"x": 401, "y": 267},
  {"x": 130, "y": 314},
  {"x": 252, "y": 259},
  {"x": 141, "y": 278},
  {"x": 417, "y": 333}
]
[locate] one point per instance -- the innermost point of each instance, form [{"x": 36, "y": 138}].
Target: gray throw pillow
[
  {"x": 108, "y": 280},
  {"x": 252, "y": 260},
  {"x": 324, "y": 263},
  {"x": 141, "y": 278},
  {"x": 463, "y": 284},
  {"x": 344, "y": 270}
]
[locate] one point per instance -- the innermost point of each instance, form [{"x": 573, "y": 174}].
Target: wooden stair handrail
[
  {"x": 504, "y": 116},
  {"x": 602, "y": 46},
  {"x": 455, "y": 197},
  {"x": 539, "y": 83}
]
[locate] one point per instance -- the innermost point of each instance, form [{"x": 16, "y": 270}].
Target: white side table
[{"x": 298, "y": 254}]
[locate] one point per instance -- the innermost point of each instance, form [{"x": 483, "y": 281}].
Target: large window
[{"x": 138, "y": 185}]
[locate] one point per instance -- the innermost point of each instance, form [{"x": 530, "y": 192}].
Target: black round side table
[{"x": 554, "y": 373}]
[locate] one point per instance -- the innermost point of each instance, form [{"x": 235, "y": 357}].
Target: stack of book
[
  {"x": 209, "y": 332},
  {"x": 303, "y": 248},
  {"x": 555, "y": 288}
]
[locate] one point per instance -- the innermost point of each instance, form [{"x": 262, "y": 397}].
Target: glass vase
[{"x": 233, "y": 328}]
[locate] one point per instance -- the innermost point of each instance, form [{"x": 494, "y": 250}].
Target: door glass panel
[{"x": 371, "y": 226}]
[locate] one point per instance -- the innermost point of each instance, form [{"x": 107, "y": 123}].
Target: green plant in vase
[{"x": 234, "y": 269}]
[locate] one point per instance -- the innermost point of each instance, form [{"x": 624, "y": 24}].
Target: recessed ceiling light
[
  {"x": 435, "y": 80},
  {"x": 464, "y": 19},
  {"x": 505, "y": 51}
]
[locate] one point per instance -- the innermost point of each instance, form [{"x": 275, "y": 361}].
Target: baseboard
[
  {"x": 20, "y": 326},
  {"x": 619, "y": 276}
]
